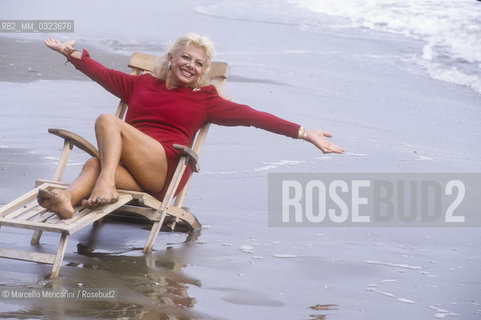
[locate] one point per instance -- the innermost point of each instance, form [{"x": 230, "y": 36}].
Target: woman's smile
[{"x": 187, "y": 66}]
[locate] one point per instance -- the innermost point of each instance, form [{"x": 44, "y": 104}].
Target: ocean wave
[
  {"x": 451, "y": 30},
  {"x": 263, "y": 11}
]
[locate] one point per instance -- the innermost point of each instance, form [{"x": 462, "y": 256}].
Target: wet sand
[
  {"x": 17, "y": 65},
  {"x": 18, "y": 171},
  {"x": 238, "y": 267}
]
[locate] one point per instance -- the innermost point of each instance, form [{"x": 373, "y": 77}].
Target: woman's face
[{"x": 187, "y": 66}]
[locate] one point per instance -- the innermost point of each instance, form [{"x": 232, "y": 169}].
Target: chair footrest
[
  {"x": 26, "y": 213},
  {"x": 27, "y": 255}
]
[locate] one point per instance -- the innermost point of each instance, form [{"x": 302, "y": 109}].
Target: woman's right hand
[
  {"x": 317, "y": 138},
  {"x": 59, "y": 46}
]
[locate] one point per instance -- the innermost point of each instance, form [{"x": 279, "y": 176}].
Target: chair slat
[
  {"x": 142, "y": 61},
  {"x": 37, "y": 210}
]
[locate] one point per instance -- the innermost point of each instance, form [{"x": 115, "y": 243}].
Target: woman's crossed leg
[{"x": 129, "y": 159}]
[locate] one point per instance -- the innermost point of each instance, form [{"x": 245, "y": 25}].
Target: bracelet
[
  {"x": 302, "y": 133},
  {"x": 68, "y": 53}
]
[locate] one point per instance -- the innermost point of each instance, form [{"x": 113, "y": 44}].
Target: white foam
[
  {"x": 356, "y": 155},
  {"x": 284, "y": 255},
  {"x": 424, "y": 158},
  {"x": 437, "y": 309},
  {"x": 389, "y": 264},
  {"x": 75, "y": 164},
  {"x": 219, "y": 172},
  {"x": 450, "y": 28},
  {"x": 388, "y": 280},
  {"x": 324, "y": 158},
  {"x": 428, "y": 274},
  {"x": 405, "y": 300},
  {"x": 390, "y": 295},
  {"x": 451, "y": 74},
  {"x": 387, "y": 294},
  {"x": 442, "y": 313},
  {"x": 246, "y": 249},
  {"x": 277, "y": 164}
]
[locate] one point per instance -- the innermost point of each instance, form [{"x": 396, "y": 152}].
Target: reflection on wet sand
[
  {"x": 321, "y": 307},
  {"x": 148, "y": 287}
]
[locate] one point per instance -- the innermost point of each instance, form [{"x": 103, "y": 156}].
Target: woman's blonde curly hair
[{"x": 161, "y": 68}]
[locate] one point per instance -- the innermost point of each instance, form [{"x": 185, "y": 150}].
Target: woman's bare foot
[
  {"x": 58, "y": 201},
  {"x": 102, "y": 194}
]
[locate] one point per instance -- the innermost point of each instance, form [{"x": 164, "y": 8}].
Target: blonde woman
[{"x": 166, "y": 108}]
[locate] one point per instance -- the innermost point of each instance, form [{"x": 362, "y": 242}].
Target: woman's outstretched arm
[
  {"x": 229, "y": 113},
  {"x": 116, "y": 82}
]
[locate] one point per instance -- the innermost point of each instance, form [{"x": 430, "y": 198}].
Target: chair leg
[
  {"x": 62, "y": 246},
  {"x": 149, "y": 260},
  {"x": 36, "y": 237},
  {"x": 169, "y": 195},
  {"x": 154, "y": 232}
]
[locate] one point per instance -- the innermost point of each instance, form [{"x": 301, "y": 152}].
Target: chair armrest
[
  {"x": 76, "y": 140},
  {"x": 192, "y": 156}
]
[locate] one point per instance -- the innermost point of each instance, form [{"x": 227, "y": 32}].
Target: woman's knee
[
  {"x": 105, "y": 120},
  {"x": 92, "y": 164}
]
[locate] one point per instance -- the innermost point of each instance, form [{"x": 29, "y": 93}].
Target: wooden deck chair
[{"x": 24, "y": 212}]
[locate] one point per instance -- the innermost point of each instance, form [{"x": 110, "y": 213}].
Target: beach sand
[
  {"x": 17, "y": 64},
  {"x": 389, "y": 118}
]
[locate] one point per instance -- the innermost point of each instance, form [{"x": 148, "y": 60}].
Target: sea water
[{"x": 449, "y": 29}]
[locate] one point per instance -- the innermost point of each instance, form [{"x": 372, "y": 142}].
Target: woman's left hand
[
  {"x": 58, "y": 46},
  {"x": 316, "y": 137}
]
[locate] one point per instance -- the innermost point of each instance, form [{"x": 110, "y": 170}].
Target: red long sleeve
[
  {"x": 118, "y": 83},
  {"x": 228, "y": 113}
]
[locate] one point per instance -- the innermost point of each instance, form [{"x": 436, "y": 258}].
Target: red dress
[{"x": 174, "y": 116}]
